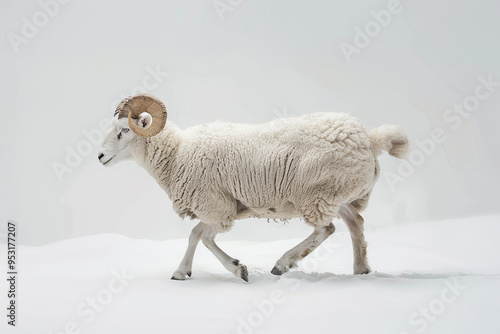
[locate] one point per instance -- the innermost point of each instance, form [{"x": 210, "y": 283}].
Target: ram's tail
[{"x": 389, "y": 138}]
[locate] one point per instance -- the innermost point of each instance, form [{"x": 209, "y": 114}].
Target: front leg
[
  {"x": 231, "y": 264},
  {"x": 187, "y": 262}
]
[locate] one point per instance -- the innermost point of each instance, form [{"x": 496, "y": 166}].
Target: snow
[{"x": 432, "y": 277}]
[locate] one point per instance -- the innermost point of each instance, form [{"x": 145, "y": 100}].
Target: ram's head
[{"x": 138, "y": 116}]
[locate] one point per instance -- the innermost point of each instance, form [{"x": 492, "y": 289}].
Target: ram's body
[
  {"x": 298, "y": 167},
  {"x": 318, "y": 167}
]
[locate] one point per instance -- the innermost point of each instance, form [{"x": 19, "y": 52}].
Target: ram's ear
[{"x": 145, "y": 120}]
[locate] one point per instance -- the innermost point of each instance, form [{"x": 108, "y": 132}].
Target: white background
[{"x": 259, "y": 61}]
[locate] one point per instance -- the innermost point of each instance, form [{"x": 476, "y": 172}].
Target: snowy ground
[{"x": 433, "y": 277}]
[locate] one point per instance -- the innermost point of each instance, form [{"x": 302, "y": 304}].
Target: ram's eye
[{"x": 125, "y": 130}]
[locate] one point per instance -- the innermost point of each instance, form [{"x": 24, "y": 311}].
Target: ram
[{"x": 318, "y": 167}]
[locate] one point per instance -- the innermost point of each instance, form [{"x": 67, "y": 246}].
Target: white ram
[{"x": 318, "y": 167}]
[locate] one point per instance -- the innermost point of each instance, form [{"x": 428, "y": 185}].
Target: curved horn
[{"x": 132, "y": 107}]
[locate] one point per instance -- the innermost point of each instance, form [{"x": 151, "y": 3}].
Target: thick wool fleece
[{"x": 297, "y": 167}]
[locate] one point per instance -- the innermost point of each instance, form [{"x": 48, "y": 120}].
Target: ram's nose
[{"x": 100, "y": 156}]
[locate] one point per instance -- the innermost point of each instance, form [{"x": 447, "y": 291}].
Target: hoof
[
  {"x": 241, "y": 272},
  {"x": 180, "y": 275},
  {"x": 244, "y": 273},
  {"x": 276, "y": 271},
  {"x": 362, "y": 271}
]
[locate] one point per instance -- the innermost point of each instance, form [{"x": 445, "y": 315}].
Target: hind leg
[
  {"x": 355, "y": 223},
  {"x": 297, "y": 253}
]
